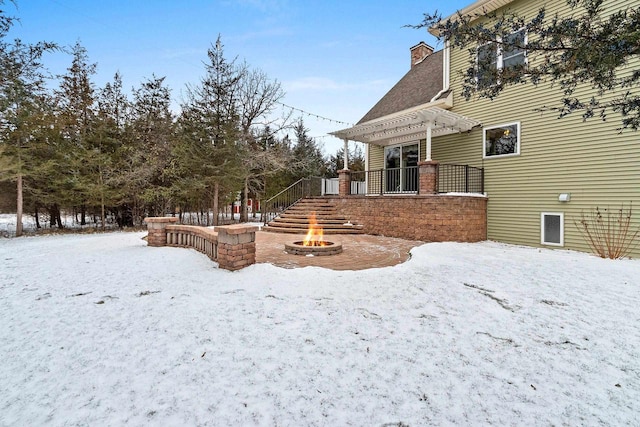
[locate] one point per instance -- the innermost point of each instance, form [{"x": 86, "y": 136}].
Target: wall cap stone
[
  {"x": 428, "y": 162},
  {"x": 161, "y": 219},
  {"x": 236, "y": 229}
]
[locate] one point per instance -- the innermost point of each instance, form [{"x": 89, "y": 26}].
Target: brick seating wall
[
  {"x": 232, "y": 246},
  {"x": 202, "y": 239}
]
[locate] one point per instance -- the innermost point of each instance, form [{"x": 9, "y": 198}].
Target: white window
[
  {"x": 501, "y": 140},
  {"x": 512, "y": 53},
  {"x": 486, "y": 65},
  {"x": 552, "y": 228},
  {"x": 506, "y": 53}
]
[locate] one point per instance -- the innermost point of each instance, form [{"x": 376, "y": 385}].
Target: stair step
[
  {"x": 296, "y": 219},
  {"x": 302, "y": 215},
  {"x": 304, "y": 226},
  {"x": 275, "y": 229},
  {"x": 312, "y": 209},
  {"x": 306, "y": 221},
  {"x": 310, "y": 213}
]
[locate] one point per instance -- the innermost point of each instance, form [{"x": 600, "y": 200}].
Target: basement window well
[{"x": 552, "y": 228}]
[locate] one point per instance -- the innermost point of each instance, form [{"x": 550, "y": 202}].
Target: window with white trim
[
  {"x": 552, "y": 228},
  {"x": 513, "y": 53},
  {"x": 486, "y": 64},
  {"x": 501, "y": 140},
  {"x": 506, "y": 53}
]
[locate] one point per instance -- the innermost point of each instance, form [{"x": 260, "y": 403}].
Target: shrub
[{"x": 609, "y": 234}]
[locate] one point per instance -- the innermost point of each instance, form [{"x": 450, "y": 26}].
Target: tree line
[{"x": 102, "y": 152}]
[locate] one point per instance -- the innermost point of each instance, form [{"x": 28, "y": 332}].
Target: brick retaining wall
[{"x": 430, "y": 218}]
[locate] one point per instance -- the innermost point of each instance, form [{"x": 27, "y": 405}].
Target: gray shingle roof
[{"x": 418, "y": 86}]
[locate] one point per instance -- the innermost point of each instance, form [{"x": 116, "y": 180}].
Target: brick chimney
[{"x": 419, "y": 52}]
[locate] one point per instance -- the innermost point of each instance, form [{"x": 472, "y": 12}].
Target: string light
[{"x": 317, "y": 116}]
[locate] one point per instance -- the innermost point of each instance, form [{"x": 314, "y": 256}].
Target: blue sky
[{"x": 334, "y": 59}]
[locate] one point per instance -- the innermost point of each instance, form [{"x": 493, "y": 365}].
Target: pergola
[{"x": 422, "y": 122}]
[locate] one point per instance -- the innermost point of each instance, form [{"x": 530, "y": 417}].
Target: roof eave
[{"x": 478, "y": 7}]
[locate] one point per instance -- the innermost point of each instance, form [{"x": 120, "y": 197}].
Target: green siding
[
  {"x": 376, "y": 162},
  {"x": 376, "y": 157},
  {"x": 591, "y": 160}
]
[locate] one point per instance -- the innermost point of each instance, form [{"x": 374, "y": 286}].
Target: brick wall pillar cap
[
  {"x": 428, "y": 162},
  {"x": 236, "y": 229},
  {"x": 167, "y": 219}
]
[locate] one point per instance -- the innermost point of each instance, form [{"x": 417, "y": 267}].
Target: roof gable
[{"x": 421, "y": 83}]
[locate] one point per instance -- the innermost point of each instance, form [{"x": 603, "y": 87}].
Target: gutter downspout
[{"x": 445, "y": 71}]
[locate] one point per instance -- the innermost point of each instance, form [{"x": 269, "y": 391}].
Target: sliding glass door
[
  {"x": 410, "y": 168},
  {"x": 392, "y": 169},
  {"x": 401, "y": 168}
]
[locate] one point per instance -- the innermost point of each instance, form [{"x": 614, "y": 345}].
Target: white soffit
[
  {"x": 480, "y": 7},
  {"x": 409, "y": 126}
]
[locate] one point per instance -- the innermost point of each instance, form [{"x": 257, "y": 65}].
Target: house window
[
  {"x": 513, "y": 53},
  {"x": 502, "y": 140},
  {"x": 487, "y": 64},
  {"x": 552, "y": 228},
  {"x": 506, "y": 53}
]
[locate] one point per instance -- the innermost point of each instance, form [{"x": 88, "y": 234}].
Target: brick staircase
[{"x": 295, "y": 219}]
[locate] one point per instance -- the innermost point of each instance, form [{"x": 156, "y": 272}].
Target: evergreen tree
[
  {"x": 76, "y": 102},
  {"x": 308, "y": 155},
  {"x": 112, "y": 115},
  {"x": 22, "y": 97},
  {"x": 209, "y": 129},
  {"x": 149, "y": 152},
  {"x": 356, "y": 161}
]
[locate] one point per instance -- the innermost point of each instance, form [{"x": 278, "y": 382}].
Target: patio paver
[{"x": 359, "y": 251}]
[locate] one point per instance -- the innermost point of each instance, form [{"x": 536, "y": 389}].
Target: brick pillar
[
  {"x": 236, "y": 246},
  {"x": 157, "y": 227},
  {"x": 428, "y": 177},
  {"x": 344, "y": 182}
]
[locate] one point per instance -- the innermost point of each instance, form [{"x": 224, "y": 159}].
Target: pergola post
[
  {"x": 428, "y": 169},
  {"x": 428, "y": 154},
  {"x": 346, "y": 154}
]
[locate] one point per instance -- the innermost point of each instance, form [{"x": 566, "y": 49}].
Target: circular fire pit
[{"x": 315, "y": 248}]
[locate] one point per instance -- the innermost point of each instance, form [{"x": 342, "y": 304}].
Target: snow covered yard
[{"x": 102, "y": 330}]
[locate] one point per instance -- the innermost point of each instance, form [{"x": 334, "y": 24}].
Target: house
[{"x": 539, "y": 173}]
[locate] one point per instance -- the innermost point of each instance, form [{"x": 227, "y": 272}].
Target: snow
[
  {"x": 103, "y": 330},
  {"x": 453, "y": 193},
  {"x": 8, "y": 224}
]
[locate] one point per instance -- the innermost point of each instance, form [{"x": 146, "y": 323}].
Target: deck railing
[
  {"x": 460, "y": 179},
  {"x": 451, "y": 179}
]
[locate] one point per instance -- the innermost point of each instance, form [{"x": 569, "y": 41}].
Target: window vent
[{"x": 552, "y": 228}]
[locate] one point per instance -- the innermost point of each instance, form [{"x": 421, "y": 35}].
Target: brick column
[
  {"x": 157, "y": 227},
  {"x": 236, "y": 246},
  {"x": 344, "y": 182},
  {"x": 428, "y": 177}
]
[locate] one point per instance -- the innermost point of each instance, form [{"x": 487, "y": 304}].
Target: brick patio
[{"x": 360, "y": 251}]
